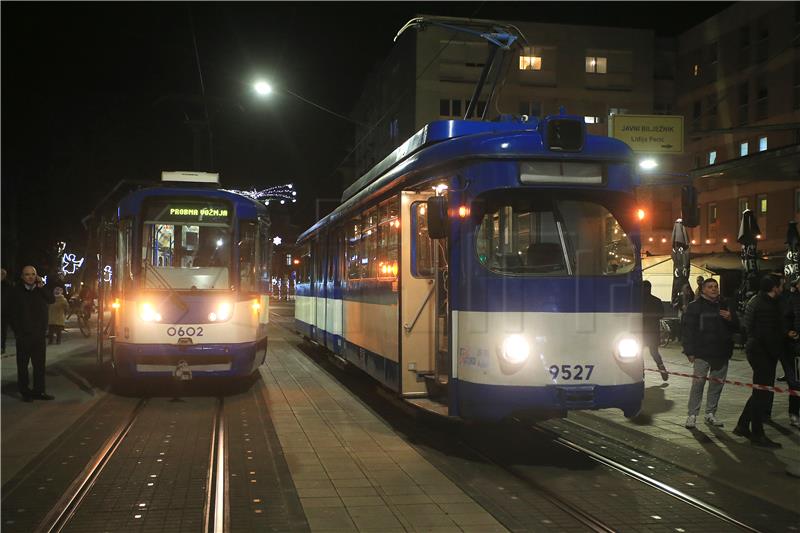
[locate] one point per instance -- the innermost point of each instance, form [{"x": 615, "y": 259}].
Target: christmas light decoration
[
  {"x": 70, "y": 264},
  {"x": 107, "y": 273},
  {"x": 281, "y": 193}
]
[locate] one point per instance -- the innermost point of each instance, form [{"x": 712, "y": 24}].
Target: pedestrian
[
  {"x": 57, "y": 312},
  {"x": 652, "y": 311},
  {"x": 765, "y": 344},
  {"x": 791, "y": 352},
  {"x": 699, "y": 290},
  {"x": 5, "y": 298},
  {"x": 29, "y": 321},
  {"x": 708, "y": 327}
]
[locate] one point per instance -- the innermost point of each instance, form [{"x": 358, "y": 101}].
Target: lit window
[
  {"x": 695, "y": 70},
  {"x": 762, "y": 204},
  {"x": 743, "y": 149},
  {"x": 712, "y": 157},
  {"x": 596, "y": 64},
  {"x": 592, "y": 120},
  {"x": 712, "y": 213},
  {"x": 529, "y": 60},
  {"x": 797, "y": 195},
  {"x": 762, "y": 144}
]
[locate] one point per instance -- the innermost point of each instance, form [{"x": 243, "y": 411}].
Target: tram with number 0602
[
  {"x": 485, "y": 270},
  {"x": 191, "y": 281}
]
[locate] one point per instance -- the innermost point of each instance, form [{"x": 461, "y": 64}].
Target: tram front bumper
[{"x": 187, "y": 361}]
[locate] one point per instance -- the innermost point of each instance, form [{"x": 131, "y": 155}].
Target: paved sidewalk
[
  {"x": 28, "y": 428},
  {"x": 712, "y": 452}
]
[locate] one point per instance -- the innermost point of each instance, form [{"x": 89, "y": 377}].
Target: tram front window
[
  {"x": 191, "y": 255},
  {"x": 552, "y": 235}
]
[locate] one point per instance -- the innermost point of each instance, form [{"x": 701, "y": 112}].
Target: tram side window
[
  {"x": 369, "y": 237},
  {"x": 423, "y": 245},
  {"x": 124, "y": 274},
  {"x": 388, "y": 238},
  {"x": 265, "y": 257},
  {"x": 354, "y": 249},
  {"x": 247, "y": 256}
]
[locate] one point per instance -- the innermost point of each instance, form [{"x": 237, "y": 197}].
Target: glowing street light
[
  {"x": 648, "y": 164},
  {"x": 262, "y": 88}
]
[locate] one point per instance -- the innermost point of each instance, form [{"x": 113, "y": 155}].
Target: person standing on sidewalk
[
  {"x": 57, "y": 312},
  {"x": 791, "y": 354},
  {"x": 29, "y": 321},
  {"x": 652, "y": 311},
  {"x": 708, "y": 327},
  {"x": 765, "y": 344}
]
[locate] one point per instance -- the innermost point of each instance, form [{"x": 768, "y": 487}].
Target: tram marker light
[{"x": 463, "y": 211}]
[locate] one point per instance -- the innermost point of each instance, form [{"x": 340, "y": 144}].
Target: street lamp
[
  {"x": 648, "y": 164},
  {"x": 262, "y": 88}
]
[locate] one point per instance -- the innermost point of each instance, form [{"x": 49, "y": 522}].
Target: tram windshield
[
  {"x": 186, "y": 245},
  {"x": 541, "y": 234}
]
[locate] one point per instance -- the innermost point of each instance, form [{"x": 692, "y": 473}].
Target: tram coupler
[{"x": 182, "y": 371}]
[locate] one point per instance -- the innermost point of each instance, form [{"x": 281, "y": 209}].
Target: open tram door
[{"x": 425, "y": 357}]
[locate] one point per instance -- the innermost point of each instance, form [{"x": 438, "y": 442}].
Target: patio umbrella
[
  {"x": 680, "y": 261},
  {"x": 748, "y": 229},
  {"x": 791, "y": 264}
]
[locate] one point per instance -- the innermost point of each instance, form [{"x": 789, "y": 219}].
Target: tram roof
[
  {"x": 245, "y": 207},
  {"x": 445, "y": 141}
]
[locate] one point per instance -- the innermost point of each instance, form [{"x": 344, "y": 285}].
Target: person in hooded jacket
[
  {"x": 57, "y": 312},
  {"x": 652, "y": 311},
  {"x": 707, "y": 334},
  {"x": 765, "y": 344}
]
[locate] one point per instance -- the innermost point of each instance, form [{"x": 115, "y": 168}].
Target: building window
[
  {"x": 762, "y": 100},
  {"x": 529, "y": 59},
  {"x": 762, "y": 47},
  {"x": 743, "y": 148},
  {"x": 591, "y": 120},
  {"x": 744, "y": 204},
  {"x": 797, "y": 198},
  {"x": 761, "y": 201},
  {"x": 532, "y": 109},
  {"x": 695, "y": 70},
  {"x": 762, "y": 144},
  {"x": 711, "y": 105},
  {"x": 481, "y": 108},
  {"x": 796, "y": 88},
  {"x": 394, "y": 129},
  {"x": 455, "y": 106},
  {"x": 697, "y": 112},
  {"x": 712, "y": 213},
  {"x": 617, "y": 111},
  {"x": 662, "y": 108},
  {"x": 596, "y": 64},
  {"x": 744, "y": 100},
  {"x": 444, "y": 107},
  {"x": 712, "y": 157}
]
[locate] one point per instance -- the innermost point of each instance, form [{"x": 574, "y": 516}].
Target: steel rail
[
  {"x": 61, "y": 513},
  {"x": 215, "y": 517},
  {"x": 628, "y": 471},
  {"x": 585, "y": 518}
]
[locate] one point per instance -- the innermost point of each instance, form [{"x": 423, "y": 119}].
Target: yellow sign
[
  {"x": 653, "y": 134},
  {"x": 204, "y": 212}
]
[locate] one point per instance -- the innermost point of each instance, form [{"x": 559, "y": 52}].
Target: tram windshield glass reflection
[
  {"x": 186, "y": 245},
  {"x": 545, "y": 235}
]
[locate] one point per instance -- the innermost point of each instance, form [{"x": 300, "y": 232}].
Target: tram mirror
[
  {"x": 690, "y": 212},
  {"x": 437, "y": 217}
]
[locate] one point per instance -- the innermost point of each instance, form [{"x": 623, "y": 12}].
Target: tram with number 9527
[
  {"x": 486, "y": 270},
  {"x": 191, "y": 281}
]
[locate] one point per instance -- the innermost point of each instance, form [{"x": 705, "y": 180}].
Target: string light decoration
[
  {"x": 69, "y": 264},
  {"x": 277, "y": 193},
  {"x": 107, "y": 273}
]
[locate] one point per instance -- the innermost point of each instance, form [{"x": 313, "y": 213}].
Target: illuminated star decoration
[
  {"x": 277, "y": 241},
  {"x": 69, "y": 264},
  {"x": 107, "y": 273},
  {"x": 276, "y": 193}
]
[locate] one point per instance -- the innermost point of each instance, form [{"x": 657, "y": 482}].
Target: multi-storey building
[{"x": 735, "y": 78}]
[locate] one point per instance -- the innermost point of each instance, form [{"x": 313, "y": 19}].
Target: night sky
[{"x": 99, "y": 92}]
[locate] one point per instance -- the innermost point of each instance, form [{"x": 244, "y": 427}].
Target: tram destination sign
[
  {"x": 187, "y": 212},
  {"x": 652, "y": 134}
]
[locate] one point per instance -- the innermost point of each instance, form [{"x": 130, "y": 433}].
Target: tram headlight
[
  {"x": 628, "y": 348},
  {"x": 516, "y": 349},
  {"x": 222, "y": 312},
  {"x": 148, "y": 314}
]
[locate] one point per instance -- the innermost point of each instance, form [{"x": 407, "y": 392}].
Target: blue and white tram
[
  {"x": 486, "y": 269},
  {"x": 191, "y": 281}
]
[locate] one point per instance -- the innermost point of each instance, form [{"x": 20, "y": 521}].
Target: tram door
[
  {"x": 320, "y": 288},
  {"x": 418, "y": 298}
]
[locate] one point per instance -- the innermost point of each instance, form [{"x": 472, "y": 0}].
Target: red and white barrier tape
[{"x": 731, "y": 382}]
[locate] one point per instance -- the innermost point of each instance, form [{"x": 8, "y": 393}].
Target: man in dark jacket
[
  {"x": 5, "y": 295},
  {"x": 765, "y": 344},
  {"x": 652, "y": 311},
  {"x": 708, "y": 327},
  {"x": 28, "y": 306}
]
